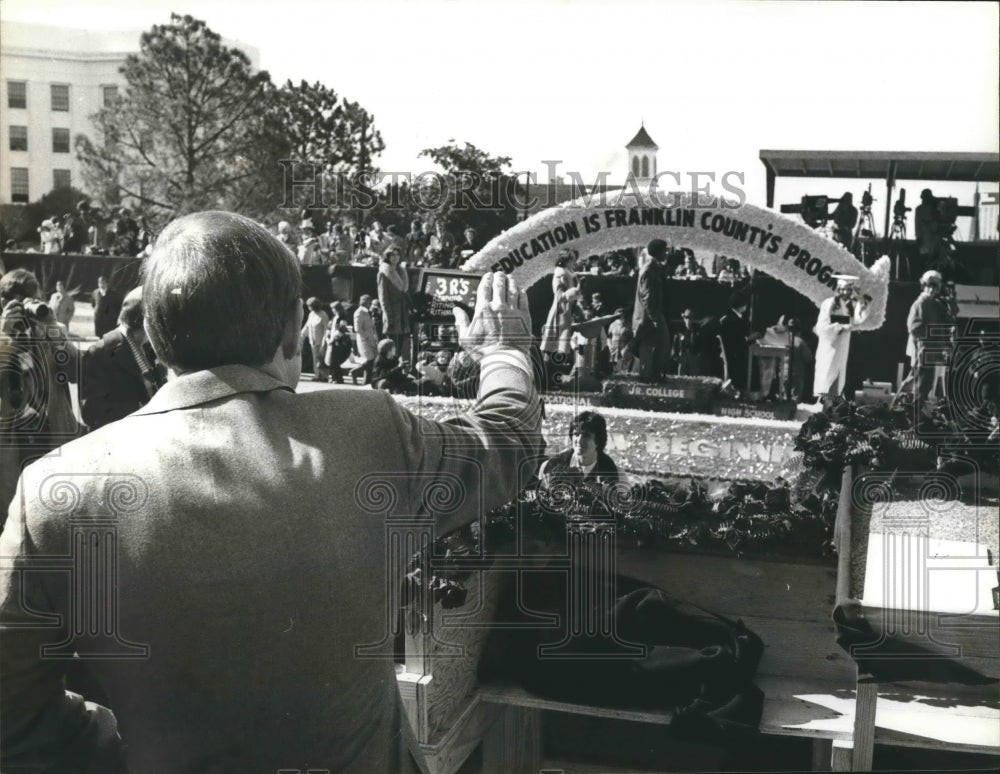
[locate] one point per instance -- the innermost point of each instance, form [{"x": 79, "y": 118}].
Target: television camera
[{"x": 815, "y": 210}]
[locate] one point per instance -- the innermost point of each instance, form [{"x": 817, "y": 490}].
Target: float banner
[
  {"x": 799, "y": 256},
  {"x": 647, "y": 444}
]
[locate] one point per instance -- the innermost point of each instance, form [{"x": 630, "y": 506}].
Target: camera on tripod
[
  {"x": 813, "y": 209},
  {"x": 899, "y": 209},
  {"x": 947, "y": 210},
  {"x": 867, "y": 198}
]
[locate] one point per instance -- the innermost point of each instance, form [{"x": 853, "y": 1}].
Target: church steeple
[{"x": 642, "y": 156}]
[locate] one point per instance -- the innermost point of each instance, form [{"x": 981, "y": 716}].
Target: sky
[{"x": 714, "y": 82}]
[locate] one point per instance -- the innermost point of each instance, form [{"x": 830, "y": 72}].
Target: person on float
[
  {"x": 736, "y": 336},
  {"x": 927, "y": 229},
  {"x": 565, "y": 309},
  {"x": 585, "y": 461},
  {"x": 838, "y": 316},
  {"x": 649, "y": 317}
]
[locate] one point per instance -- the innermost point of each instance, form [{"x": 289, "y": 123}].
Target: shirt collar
[{"x": 197, "y": 387}]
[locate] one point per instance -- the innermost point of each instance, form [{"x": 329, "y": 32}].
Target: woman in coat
[
  {"x": 556, "y": 333},
  {"x": 392, "y": 296},
  {"x": 838, "y": 315}
]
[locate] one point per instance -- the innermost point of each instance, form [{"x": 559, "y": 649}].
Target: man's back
[{"x": 248, "y": 564}]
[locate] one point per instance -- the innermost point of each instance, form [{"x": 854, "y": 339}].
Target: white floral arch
[{"x": 795, "y": 254}]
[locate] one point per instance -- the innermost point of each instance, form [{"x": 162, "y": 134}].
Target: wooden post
[{"x": 513, "y": 744}]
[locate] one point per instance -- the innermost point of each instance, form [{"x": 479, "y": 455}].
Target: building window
[
  {"x": 17, "y": 94},
  {"x": 61, "y": 178},
  {"x": 635, "y": 166},
  {"x": 109, "y": 95},
  {"x": 60, "y": 140},
  {"x": 19, "y": 184},
  {"x": 645, "y": 166},
  {"x": 19, "y": 138},
  {"x": 60, "y": 97}
]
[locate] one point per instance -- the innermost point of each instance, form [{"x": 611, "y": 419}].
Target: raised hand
[{"x": 501, "y": 317}]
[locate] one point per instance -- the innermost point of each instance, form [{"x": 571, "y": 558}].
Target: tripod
[
  {"x": 897, "y": 234},
  {"x": 864, "y": 235}
]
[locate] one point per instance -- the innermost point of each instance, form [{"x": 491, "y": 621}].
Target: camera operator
[
  {"x": 845, "y": 218},
  {"x": 927, "y": 228},
  {"x": 36, "y": 362}
]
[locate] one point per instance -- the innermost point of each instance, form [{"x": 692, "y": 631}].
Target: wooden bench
[{"x": 810, "y": 684}]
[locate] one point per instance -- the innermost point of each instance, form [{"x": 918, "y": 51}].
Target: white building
[{"x": 54, "y": 79}]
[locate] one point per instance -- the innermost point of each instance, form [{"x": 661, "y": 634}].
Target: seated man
[
  {"x": 250, "y": 545},
  {"x": 584, "y": 461}
]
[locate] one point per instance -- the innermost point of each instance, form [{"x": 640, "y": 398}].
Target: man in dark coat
[
  {"x": 649, "y": 320},
  {"x": 107, "y": 305},
  {"x": 119, "y": 373},
  {"x": 734, "y": 330}
]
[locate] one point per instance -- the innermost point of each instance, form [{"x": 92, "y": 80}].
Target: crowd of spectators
[
  {"x": 94, "y": 231},
  {"x": 342, "y": 243}
]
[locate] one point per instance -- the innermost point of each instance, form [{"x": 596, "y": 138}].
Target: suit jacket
[
  {"x": 650, "y": 303},
  {"x": 107, "y": 307},
  {"x": 926, "y": 311},
  {"x": 111, "y": 385},
  {"x": 251, "y": 548}
]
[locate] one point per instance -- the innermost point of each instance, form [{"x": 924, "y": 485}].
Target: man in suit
[
  {"x": 925, "y": 321},
  {"x": 649, "y": 319},
  {"x": 62, "y": 305},
  {"x": 107, "y": 305},
  {"x": 250, "y": 537},
  {"x": 119, "y": 373},
  {"x": 734, "y": 331}
]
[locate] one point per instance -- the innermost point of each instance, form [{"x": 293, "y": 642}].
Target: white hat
[{"x": 930, "y": 277}]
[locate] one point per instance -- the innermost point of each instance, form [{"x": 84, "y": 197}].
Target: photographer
[{"x": 36, "y": 362}]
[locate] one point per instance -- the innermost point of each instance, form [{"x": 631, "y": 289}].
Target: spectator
[
  {"x": 249, "y": 561},
  {"x": 441, "y": 247},
  {"x": 337, "y": 350},
  {"x": 359, "y": 245},
  {"x": 367, "y": 339},
  {"x": 432, "y": 369},
  {"x": 286, "y": 237},
  {"x": 416, "y": 243},
  {"x": 119, "y": 374},
  {"x": 389, "y": 372},
  {"x": 649, "y": 320},
  {"x": 729, "y": 274},
  {"x": 378, "y": 317},
  {"x": 126, "y": 232},
  {"x": 107, "y": 305},
  {"x": 469, "y": 247},
  {"x": 314, "y": 335},
  {"x": 690, "y": 269},
  {"x": 376, "y": 240},
  {"x": 393, "y": 296},
  {"x": 308, "y": 252},
  {"x": 50, "y": 236},
  {"x": 62, "y": 305},
  {"x": 36, "y": 362},
  {"x": 585, "y": 461}
]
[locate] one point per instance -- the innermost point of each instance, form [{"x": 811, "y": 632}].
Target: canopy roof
[{"x": 894, "y": 165}]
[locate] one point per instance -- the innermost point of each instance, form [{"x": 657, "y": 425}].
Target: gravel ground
[{"x": 960, "y": 519}]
